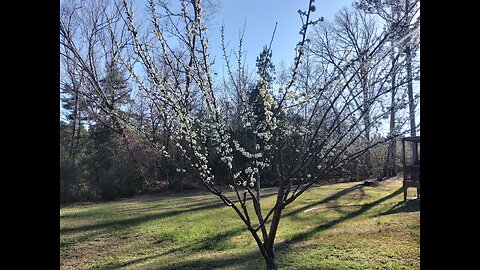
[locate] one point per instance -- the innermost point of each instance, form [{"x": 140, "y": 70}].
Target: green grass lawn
[{"x": 342, "y": 226}]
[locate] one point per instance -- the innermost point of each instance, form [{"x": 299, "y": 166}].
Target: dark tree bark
[
  {"x": 411, "y": 101},
  {"x": 390, "y": 169}
]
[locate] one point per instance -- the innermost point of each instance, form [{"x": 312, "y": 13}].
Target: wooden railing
[{"x": 412, "y": 173}]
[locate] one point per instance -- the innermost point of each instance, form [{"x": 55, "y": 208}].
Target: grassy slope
[{"x": 342, "y": 226}]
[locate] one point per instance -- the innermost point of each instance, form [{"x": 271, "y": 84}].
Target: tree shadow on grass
[
  {"x": 332, "y": 197},
  {"x": 121, "y": 223},
  {"x": 363, "y": 208},
  {"x": 89, "y": 231},
  {"x": 254, "y": 257},
  {"x": 220, "y": 240},
  {"x": 206, "y": 263},
  {"x": 211, "y": 243},
  {"x": 250, "y": 260},
  {"x": 195, "y": 198},
  {"x": 124, "y": 223},
  {"x": 403, "y": 207}
]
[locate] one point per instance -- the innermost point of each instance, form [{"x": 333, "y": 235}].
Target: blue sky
[{"x": 260, "y": 17}]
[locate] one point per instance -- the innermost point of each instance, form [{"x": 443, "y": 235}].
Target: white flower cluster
[
  {"x": 227, "y": 160},
  {"x": 250, "y": 170},
  {"x": 190, "y": 134},
  {"x": 269, "y": 103},
  {"x": 266, "y": 135},
  {"x": 244, "y": 152}
]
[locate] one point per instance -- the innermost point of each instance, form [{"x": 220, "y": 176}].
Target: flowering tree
[{"x": 320, "y": 123}]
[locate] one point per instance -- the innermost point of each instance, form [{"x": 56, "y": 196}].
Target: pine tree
[
  {"x": 117, "y": 93},
  {"x": 74, "y": 107},
  {"x": 265, "y": 71}
]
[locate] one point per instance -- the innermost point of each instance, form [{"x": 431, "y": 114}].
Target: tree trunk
[
  {"x": 271, "y": 260},
  {"x": 257, "y": 207},
  {"x": 391, "y": 163},
  {"x": 271, "y": 257},
  {"x": 75, "y": 129},
  {"x": 181, "y": 175},
  {"x": 390, "y": 169},
  {"x": 156, "y": 167},
  {"x": 79, "y": 127},
  {"x": 267, "y": 250},
  {"x": 366, "y": 120},
  {"x": 368, "y": 154},
  {"x": 393, "y": 144},
  {"x": 411, "y": 105}
]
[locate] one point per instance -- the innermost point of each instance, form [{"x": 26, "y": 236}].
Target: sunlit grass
[{"x": 342, "y": 226}]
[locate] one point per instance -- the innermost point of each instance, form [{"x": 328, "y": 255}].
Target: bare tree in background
[
  {"x": 72, "y": 102},
  {"x": 404, "y": 15},
  {"x": 87, "y": 48},
  {"x": 349, "y": 36},
  {"x": 357, "y": 32}
]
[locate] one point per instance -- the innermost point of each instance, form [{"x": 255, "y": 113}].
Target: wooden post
[
  {"x": 417, "y": 159},
  {"x": 404, "y": 170}
]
